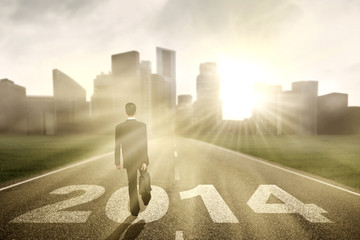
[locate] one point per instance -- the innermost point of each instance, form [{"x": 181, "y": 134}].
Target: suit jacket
[{"x": 131, "y": 138}]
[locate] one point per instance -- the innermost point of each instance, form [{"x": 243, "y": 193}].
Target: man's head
[{"x": 130, "y": 109}]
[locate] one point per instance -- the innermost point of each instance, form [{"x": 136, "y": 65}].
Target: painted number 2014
[{"x": 117, "y": 206}]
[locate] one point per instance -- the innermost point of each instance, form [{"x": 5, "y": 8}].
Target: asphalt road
[{"x": 199, "y": 192}]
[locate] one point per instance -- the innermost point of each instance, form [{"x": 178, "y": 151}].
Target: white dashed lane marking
[
  {"x": 179, "y": 235},
  {"x": 177, "y": 175}
]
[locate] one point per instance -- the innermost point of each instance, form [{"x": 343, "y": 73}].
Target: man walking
[{"x": 131, "y": 138}]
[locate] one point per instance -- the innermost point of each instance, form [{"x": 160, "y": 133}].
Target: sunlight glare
[{"x": 237, "y": 81}]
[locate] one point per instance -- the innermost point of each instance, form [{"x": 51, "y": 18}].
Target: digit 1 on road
[
  {"x": 215, "y": 204},
  {"x": 310, "y": 212}
]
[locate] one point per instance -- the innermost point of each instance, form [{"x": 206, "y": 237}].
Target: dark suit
[{"x": 131, "y": 138}]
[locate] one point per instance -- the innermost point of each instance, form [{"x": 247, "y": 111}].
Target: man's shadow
[{"x": 127, "y": 229}]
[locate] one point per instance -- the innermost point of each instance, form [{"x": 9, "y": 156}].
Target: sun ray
[{"x": 237, "y": 81}]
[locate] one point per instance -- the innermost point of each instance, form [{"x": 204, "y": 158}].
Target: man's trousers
[{"x": 133, "y": 192}]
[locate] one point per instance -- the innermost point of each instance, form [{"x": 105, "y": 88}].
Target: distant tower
[
  {"x": 127, "y": 83},
  {"x": 299, "y": 109},
  {"x": 69, "y": 102},
  {"x": 161, "y": 116},
  {"x": 288, "y": 111},
  {"x": 307, "y": 93},
  {"x": 184, "y": 114},
  {"x": 208, "y": 109},
  {"x": 166, "y": 67},
  {"x": 266, "y": 112},
  {"x": 12, "y": 107},
  {"x": 102, "y": 99},
  {"x": 145, "y": 76},
  {"x": 332, "y": 110}
]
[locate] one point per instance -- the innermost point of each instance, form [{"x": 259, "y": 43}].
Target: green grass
[
  {"x": 332, "y": 157},
  {"x": 26, "y": 155},
  {"x": 335, "y": 157}
]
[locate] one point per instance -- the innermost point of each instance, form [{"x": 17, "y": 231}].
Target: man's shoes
[
  {"x": 146, "y": 198},
  {"x": 135, "y": 214},
  {"x": 135, "y": 210}
]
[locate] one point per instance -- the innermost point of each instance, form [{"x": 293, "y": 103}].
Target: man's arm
[
  {"x": 117, "y": 148},
  {"x": 146, "y": 156}
]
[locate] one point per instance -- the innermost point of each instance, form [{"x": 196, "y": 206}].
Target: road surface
[{"x": 199, "y": 191}]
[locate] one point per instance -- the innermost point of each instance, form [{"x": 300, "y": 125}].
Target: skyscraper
[
  {"x": 40, "y": 114},
  {"x": 331, "y": 116},
  {"x": 208, "y": 107},
  {"x": 288, "y": 111},
  {"x": 266, "y": 112},
  {"x": 127, "y": 83},
  {"x": 12, "y": 107},
  {"x": 145, "y": 76},
  {"x": 161, "y": 117},
  {"x": 70, "y": 102},
  {"x": 307, "y": 93},
  {"x": 184, "y": 114},
  {"x": 102, "y": 99},
  {"x": 166, "y": 67},
  {"x": 299, "y": 109}
]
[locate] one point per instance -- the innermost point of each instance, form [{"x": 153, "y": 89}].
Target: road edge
[
  {"x": 56, "y": 171},
  {"x": 281, "y": 167}
]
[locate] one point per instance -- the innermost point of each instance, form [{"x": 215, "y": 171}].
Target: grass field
[
  {"x": 25, "y": 155},
  {"x": 335, "y": 157},
  {"x": 332, "y": 157}
]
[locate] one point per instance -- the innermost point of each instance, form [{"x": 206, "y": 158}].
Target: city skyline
[
  {"x": 276, "y": 42},
  {"x": 253, "y": 98}
]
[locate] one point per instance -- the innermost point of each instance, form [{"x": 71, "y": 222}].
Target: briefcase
[{"x": 145, "y": 186}]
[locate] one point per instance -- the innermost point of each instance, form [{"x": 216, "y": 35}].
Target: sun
[{"x": 237, "y": 81}]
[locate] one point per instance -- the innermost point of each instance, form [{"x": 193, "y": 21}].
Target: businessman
[{"x": 131, "y": 139}]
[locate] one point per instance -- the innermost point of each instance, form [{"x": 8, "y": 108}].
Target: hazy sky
[{"x": 274, "y": 41}]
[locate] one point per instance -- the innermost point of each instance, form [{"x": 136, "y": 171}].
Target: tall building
[
  {"x": 12, "y": 107},
  {"x": 40, "y": 114},
  {"x": 129, "y": 81},
  {"x": 127, "y": 84},
  {"x": 307, "y": 92},
  {"x": 70, "y": 102},
  {"x": 145, "y": 76},
  {"x": 352, "y": 121},
  {"x": 288, "y": 113},
  {"x": 166, "y": 67},
  {"x": 266, "y": 112},
  {"x": 185, "y": 100},
  {"x": 44, "y": 115},
  {"x": 332, "y": 109},
  {"x": 208, "y": 107},
  {"x": 184, "y": 114},
  {"x": 161, "y": 113},
  {"x": 299, "y": 109},
  {"x": 102, "y": 98}
]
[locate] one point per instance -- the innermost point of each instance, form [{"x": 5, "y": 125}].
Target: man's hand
[
  {"x": 144, "y": 166},
  {"x": 118, "y": 166}
]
